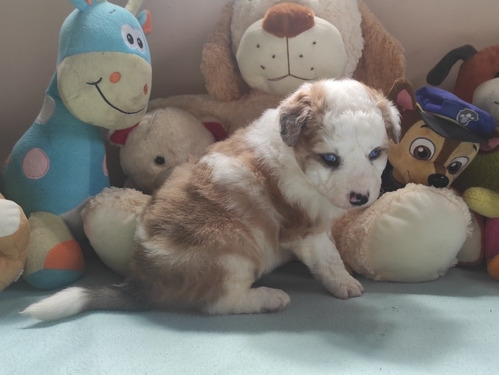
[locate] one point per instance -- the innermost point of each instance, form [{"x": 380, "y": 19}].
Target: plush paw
[
  {"x": 410, "y": 235},
  {"x": 109, "y": 222},
  {"x": 54, "y": 259}
]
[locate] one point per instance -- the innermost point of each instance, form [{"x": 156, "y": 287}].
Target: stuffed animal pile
[
  {"x": 331, "y": 39},
  {"x": 258, "y": 53}
]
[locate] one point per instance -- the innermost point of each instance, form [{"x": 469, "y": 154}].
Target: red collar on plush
[
  {"x": 119, "y": 137},
  {"x": 216, "y": 129}
]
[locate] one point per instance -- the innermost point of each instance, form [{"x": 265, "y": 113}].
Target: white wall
[{"x": 29, "y": 33}]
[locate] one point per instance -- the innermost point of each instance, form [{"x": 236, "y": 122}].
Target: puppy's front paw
[{"x": 345, "y": 286}]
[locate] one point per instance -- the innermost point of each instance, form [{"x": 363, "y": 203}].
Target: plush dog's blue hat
[{"x": 451, "y": 117}]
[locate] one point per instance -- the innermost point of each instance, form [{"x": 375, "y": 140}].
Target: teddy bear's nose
[{"x": 286, "y": 20}]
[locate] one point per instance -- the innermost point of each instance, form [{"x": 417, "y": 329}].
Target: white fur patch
[
  {"x": 227, "y": 170},
  {"x": 61, "y": 305}
]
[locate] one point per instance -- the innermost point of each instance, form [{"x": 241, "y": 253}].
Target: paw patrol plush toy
[
  {"x": 441, "y": 135},
  {"x": 102, "y": 80}
]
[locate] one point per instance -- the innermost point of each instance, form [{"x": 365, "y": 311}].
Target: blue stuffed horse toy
[{"x": 102, "y": 80}]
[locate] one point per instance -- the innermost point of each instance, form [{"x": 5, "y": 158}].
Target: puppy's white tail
[
  {"x": 67, "y": 302},
  {"x": 74, "y": 300}
]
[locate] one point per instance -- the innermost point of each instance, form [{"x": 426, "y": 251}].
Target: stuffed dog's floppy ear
[
  {"x": 223, "y": 80},
  {"x": 382, "y": 60}
]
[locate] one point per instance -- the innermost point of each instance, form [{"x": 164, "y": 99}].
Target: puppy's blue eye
[
  {"x": 375, "y": 154},
  {"x": 331, "y": 160}
]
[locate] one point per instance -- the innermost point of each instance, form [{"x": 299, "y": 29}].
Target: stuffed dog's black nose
[
  {"x": 358, "y": 199},
  {"x": 438, "y": 180}
]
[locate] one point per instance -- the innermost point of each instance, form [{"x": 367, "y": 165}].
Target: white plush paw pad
[{"x": 10, "y": 218}]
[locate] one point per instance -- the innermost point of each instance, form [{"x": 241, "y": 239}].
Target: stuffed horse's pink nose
[{"x": 115, "y": 77}]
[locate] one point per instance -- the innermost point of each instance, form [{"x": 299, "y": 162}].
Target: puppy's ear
[
  {"x": 390, "y": 115},
  {"x": 391, "y": 118},
  {"x": 298, "y": 111}
]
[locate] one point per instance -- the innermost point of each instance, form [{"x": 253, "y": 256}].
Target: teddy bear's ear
[
  {"x": 382, "y": 61},
  {"x": 223, "y": 80}
]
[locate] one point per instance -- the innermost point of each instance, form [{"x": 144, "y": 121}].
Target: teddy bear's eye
[{"x": 160, "y": 160}]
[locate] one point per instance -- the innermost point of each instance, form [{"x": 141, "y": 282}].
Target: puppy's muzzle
[{"x": 358, "y": 199}]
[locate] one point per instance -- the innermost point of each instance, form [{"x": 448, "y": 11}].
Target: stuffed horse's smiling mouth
[{"x": 96, "y": 84}]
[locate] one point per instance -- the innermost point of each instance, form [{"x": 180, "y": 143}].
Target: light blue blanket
[{"x": 449, "y": 326}]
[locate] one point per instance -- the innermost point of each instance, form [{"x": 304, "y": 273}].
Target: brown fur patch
[{"x": 302, "y": 113}]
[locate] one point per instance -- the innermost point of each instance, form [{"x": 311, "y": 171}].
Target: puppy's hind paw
[
  {"x": 251, "y": 301},
  {"x": 273, "y": 299},
  {"x": 345, "y": 287}
]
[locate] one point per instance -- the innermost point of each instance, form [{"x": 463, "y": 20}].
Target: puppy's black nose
[
  {"x": 438, "y": 180},
  {"x": 358, "y": 199}
]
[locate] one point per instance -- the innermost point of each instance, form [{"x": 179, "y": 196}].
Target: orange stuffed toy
[{"x": 14, "y": 238}]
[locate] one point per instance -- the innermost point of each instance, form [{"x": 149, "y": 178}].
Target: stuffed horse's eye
[
  {"x": 130, "y": 39},
  {"x": 159, "y": 160}
]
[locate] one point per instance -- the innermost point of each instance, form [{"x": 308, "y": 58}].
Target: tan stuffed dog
[{"x": 260, "y": 51}]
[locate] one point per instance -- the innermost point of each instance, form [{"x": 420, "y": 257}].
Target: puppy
[{"x": 266, "y": 195}]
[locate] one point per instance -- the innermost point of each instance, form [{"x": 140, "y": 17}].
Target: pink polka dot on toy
[{"x": 35, "y": 164}]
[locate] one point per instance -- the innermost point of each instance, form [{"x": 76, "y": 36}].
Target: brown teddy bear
[{"x": 260, "y": 51}]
